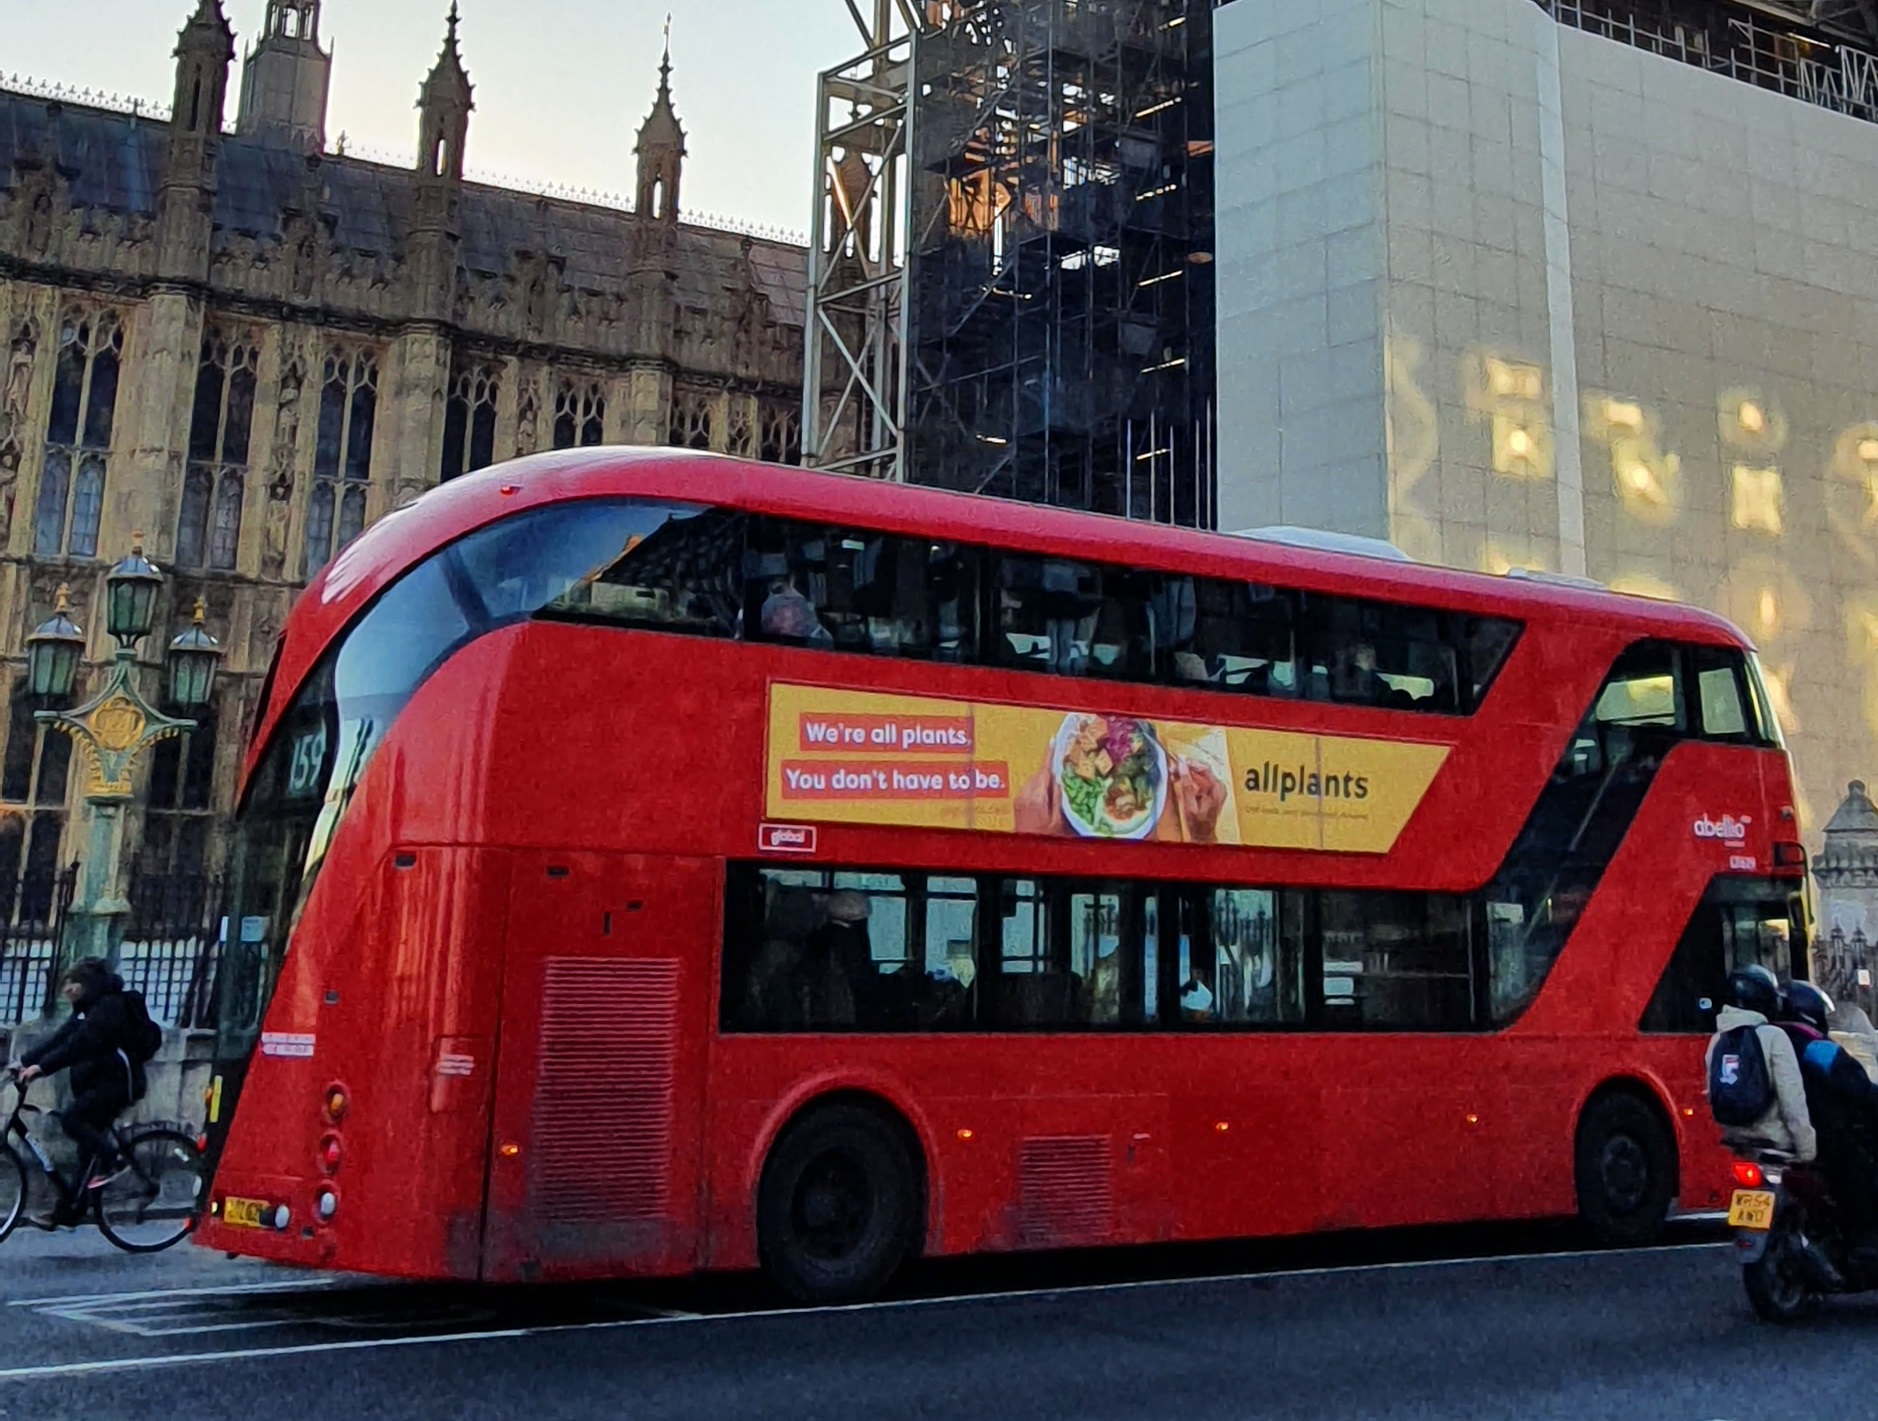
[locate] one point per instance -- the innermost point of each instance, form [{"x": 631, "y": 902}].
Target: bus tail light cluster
[{"x": 332, "y": 1151}]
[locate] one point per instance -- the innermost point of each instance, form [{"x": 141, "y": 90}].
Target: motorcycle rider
[{"x": 1753, "y": 999}]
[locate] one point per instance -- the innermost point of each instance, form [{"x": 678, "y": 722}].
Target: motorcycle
[{"x": 1792, "y": 1251}]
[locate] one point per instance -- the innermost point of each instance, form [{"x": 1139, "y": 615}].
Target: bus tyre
[
  {"x": 838, "y": 1208},
  {"x": 1625, "y": 1167}
]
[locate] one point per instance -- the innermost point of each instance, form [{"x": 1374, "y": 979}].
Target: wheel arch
[
  {"x": 1653, "y": 1097},
  {"x": 896, "y": 1114}
]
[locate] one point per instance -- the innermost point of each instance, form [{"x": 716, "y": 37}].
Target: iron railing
[
  {"x": 33, "y": 908},
  {"x": 168, "y": 951}
]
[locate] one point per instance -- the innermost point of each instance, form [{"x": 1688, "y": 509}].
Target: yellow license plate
[
  {"x": 245, "y": 1213},
  {"x": 1751, "y": 1209}
]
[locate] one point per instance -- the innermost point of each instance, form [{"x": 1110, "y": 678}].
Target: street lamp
[
  {"x": 115, "y": 726},
  {"x": 54, "y": 651}
]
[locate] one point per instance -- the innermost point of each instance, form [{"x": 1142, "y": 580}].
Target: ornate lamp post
[{"x": 113, "y": 728}]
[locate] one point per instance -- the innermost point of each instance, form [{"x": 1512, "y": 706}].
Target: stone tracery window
[
  {"x": 742, "y": 439},
  {"x": 693, "y": 424},
  {"x": 208, "y": 532},
  {"x": 781, "y": 436},
  {"x": 78, "y": 435},
  {"x": 33, "y": 782},
  {"x": 469, "y": 424},
  {"x": 342, "y": 462},
  {"x": 579, "y": 414}
]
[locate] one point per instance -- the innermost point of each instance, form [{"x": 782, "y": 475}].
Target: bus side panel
[{"x": 600, "y": 1081}]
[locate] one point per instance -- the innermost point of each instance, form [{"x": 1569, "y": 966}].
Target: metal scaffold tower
[
  {"x": 1014, "y": 269},
  {"x": 854, "y": 378}
]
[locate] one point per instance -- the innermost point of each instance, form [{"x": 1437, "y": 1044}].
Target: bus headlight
[{"x": 282, "y": 1217}]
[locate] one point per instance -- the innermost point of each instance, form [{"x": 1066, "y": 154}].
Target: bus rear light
[
  {"x": 509, "y": 1149},
  {"x": 331, "y": 1153},
  {"x": 336, "y": 1103},
  {"x": 1788, "y": 854},
  {"x": 1748, "y": 1174},
  {"x": 327, "y": 1203}
]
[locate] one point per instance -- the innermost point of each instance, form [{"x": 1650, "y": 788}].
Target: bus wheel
[
  {"x": 1625, "y": 1170},
  {"x": 838, "y": 1209}
]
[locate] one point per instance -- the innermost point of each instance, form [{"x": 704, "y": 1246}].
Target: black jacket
[{"x": 91, "y": 1042}]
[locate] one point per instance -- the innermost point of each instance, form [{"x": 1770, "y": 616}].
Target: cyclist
[{"x": 106, "y": 1077}]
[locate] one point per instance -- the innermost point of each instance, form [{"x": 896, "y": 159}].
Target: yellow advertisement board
[{"x": 858, "y": 757}]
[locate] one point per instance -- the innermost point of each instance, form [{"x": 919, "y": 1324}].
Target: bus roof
[{"x": 401, "y": 539}]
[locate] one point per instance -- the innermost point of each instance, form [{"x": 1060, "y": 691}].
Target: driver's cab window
[{"x": 1740, "y": 922}]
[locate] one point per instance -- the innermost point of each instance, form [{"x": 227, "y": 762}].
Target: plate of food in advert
[{"x": 1113, "y": 775}]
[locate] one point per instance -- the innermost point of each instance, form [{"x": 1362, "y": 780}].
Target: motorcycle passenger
[
  {"x": 1843, "y": 1104},
  {"x": 1852, "y": 1029},
  {"x": 1753, "y": 1000}
]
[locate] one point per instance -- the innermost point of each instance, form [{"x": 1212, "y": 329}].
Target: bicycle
[{"x": 148, "y": 1205}]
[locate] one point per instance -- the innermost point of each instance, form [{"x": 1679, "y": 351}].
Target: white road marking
[
  {"x": 312, "y": 1280},
  {"x": 134, "y": 1364}
]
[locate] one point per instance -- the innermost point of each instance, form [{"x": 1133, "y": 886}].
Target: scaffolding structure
[
  {"x": 854, "y": 389},
  {"x": 1013, "y": 271},
  {"x": 1060, "y": 345}
]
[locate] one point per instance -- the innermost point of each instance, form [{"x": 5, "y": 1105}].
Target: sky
[{"x": 561, "y": 85}]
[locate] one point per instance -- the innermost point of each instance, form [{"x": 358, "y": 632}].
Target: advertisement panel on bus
[{"x": 858, "y": 757}]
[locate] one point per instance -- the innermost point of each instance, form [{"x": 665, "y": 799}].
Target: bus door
[{"x": 594, "y": 1168}]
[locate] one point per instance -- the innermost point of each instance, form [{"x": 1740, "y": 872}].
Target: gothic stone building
[
  {"x": 246, "y": 348},
  {"x": 1845, "y": 949}
]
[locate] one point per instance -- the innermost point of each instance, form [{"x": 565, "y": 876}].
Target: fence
[
  {"x": 169, "y": 948},
  {"x": 32, "y": 924}
]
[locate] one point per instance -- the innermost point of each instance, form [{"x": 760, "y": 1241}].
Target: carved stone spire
[
  {"x": 186, "y": 203},
  {"x": 661, "y": 148},
  {"x": 447, "y": 101}
]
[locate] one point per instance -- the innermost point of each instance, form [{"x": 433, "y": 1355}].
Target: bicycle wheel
[
  {"x": 12, "y": 1189},
  {"x": 151, "y": 1203}
]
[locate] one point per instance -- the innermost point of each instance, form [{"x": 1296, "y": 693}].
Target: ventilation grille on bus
[
  {"x": 1067, "y": 1191},
  {"x": 604, "y": 1091}
]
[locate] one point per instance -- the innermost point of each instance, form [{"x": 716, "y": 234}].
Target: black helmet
[
  {"x": 1809, "y": 1006},
  {"x": 1755, "y": 989}
]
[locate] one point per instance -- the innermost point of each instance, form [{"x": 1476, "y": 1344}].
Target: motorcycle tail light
[{"x": 1748, "y": 1174}]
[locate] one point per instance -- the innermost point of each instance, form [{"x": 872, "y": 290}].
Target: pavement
[{"x": 1426, "y": 1324}]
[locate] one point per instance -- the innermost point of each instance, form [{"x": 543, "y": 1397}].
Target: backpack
[
  {"x": 1740, "y": 1090},
  {"x": 143, "y": 1038}
]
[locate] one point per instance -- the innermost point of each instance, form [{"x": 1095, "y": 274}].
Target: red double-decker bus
[{"x": 652, "y": 862}]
